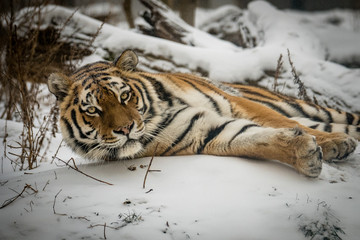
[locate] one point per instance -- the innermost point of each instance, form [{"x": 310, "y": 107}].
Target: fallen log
[{"x": 160, "y": 21}]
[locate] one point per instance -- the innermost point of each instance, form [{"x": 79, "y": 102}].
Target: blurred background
[{"x": 306, "y": 5}]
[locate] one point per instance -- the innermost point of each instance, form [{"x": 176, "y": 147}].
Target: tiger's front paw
[
  {"x": 337, "y": 146},
  {"x": 304, "y": 151},
  {"x": 309, "y": 157}
]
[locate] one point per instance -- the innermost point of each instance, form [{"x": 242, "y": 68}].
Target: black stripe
[
  {"x": 358, "y": 129},
  {"x": 328, "y": 128},
  {"x": 187, "y": 130},
  {"x": 281, "y": 96},
  {"x": 314, "y": 126},
  {"x": 347, "y": 129},
  {"x": 93, "y": 77},
  {"x": 89, "y": 132},
  {"x": 247, "y": 91},
  {"x": 183, "y": 148},
  {"x": 73, "y": 118},
  {"x": 142, "y": 97},
  {"x": 316, "y": 119},
  {"x": 86, "y": 122},
  {"x": 88, "y": 86},
  {"x": 83, "y": 83},
  {"x": 161, "y": 126},
  {"x": 147, "y": 95},
  {"x": 242, "y": 130},
  {"x": 84, "y": 104},
  {"x": 298, "y": 108},
  {"x": 78, "y": 145},
  {"x": 100, "y": 74},
  {"x": 162, "y": 93},
  {"x": 68, "y": 105},
  {"x": 76, "y": 101},
  {"x": 213, "y": 133},
  {"x": 90, "y": 67},
  {"x": 330, "y": 119},
  {"x": 79, "y": 77},
  {"x": 272, "y": 106},
  {"x": 68, "y": 127},
  {"x": 350, "y": 118},
  {"x": 213, "y": 102}
]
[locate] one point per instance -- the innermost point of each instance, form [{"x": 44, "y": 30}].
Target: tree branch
[{"x": 76, "y": 169}]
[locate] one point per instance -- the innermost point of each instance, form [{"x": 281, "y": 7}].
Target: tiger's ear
[
  {"x": 127, "y": 61},
  {"x": 59, "y": 85}
]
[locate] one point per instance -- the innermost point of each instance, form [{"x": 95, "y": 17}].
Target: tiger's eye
[
  {"x": 124, "y": 96},
  {"x": 91, "y": 110}
]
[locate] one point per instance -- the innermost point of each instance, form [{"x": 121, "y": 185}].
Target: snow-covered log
[
  {"x": 332, "y": 84},
  {"x": 231, "y": 24},
  {"x": 160, "y": 21}
]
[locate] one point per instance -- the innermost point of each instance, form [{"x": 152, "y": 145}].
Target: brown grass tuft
[{"x": 28, "y": 54}]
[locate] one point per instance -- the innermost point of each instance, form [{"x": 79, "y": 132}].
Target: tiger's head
[{"x": 101, "y": 111}]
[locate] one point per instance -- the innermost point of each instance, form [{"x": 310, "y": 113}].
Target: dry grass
[
  {"x": 302, "y": 93},
  {"x": 279, "y": 69},
  {"x": 28, "y": 54}
]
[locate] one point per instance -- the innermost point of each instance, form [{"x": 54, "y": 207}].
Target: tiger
[{"x": 112, "y": 111}]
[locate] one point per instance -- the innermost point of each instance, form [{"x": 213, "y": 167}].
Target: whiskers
[
  {"x": 158, "y": 136},
  {"x": 98, "y": 152}
]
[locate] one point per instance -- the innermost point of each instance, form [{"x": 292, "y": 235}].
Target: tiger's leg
[
  {"x": 334, "y": 145},
  {"x": 291, "y": 146},
  {"x": 352, "y": 130},
  {"x": 336, "y": 128},
  {"x": 205, "y": 132}
]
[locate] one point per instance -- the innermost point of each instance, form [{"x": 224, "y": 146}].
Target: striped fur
[{"x": 110, "y": 111}]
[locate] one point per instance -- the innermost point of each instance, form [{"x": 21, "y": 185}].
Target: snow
[
  {"x": 197, "y": 197},
  {"x": 200, "y": 197}
]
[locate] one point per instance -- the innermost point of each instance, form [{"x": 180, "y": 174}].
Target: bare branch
[
  {"x": 13, "y": 199},
  {"x": 76, "y": 169},
  {"x": 61, "y": 214},
  {"x": 148, "y": 169}
]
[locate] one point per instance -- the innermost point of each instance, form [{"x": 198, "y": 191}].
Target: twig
[
  {"x": 35, "y": 190},
  {"x": 61, "y": 214},
  {"x": 84, "y": 218},
  {"x": 73, "y": 161},
  {"x": 105, "y": 226},
  {"x": 150, "y": 190},
  {"x": 76, "y": 169},
  {"x": 48, "y": 181},
  {"x": 4, "y": 142},
  {"x": 148, "y": 169},
  {"x": 31, "y": 203},
  {"x": 3, "y": 183},
  {"x": 11, "y": 200},
  {"x": 57, "y": 151}
]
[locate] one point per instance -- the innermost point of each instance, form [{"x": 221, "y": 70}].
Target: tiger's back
[{"x": 111, "y": 111}]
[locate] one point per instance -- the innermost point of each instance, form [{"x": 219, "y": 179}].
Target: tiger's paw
[
  {"x": 306, "y": 153},
  {"x": 309, "y": 157},
  {"x": 337, "y": 146}
]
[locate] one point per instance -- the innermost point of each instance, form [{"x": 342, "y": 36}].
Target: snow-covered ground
[{"x": 199, "y": 197}]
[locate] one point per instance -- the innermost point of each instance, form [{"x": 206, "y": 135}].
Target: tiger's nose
[{"x": 124, "y": 130}]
